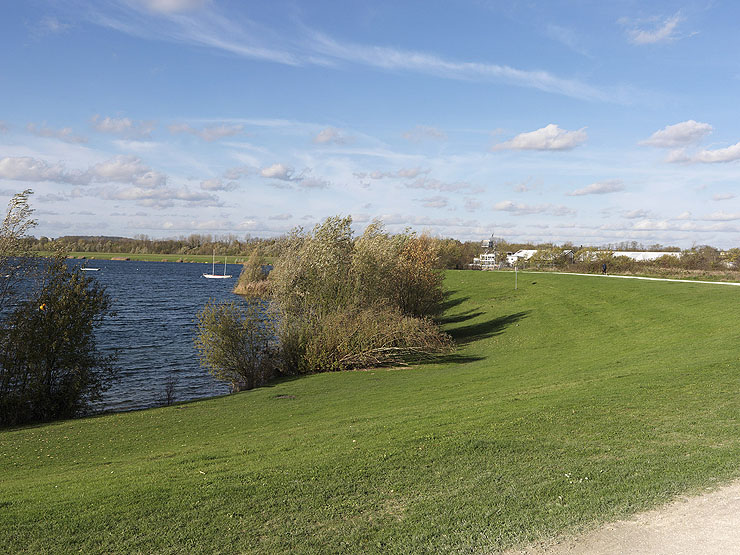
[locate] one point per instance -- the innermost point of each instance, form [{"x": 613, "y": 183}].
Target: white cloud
[
  {"x": 208, "y": 133},
  {"x": 121, "y": 169},
  {"x": 281, "y": 217},
  {"x": 278, "y": 171},
  {"x": 436, "y": 185},
  {"x": 217, "y": 184},
  {"x": 434, "y": 202},
  {"x": 565, "y": 36},
  {"x": 665, "y": 31},
  {"x": 424, "y": 132},
  {"x": 677, "y": 156},
  {"x": 723, "y": 196},
  {"x": 127, "y": 169},
  {"x": 720, "y": 155},
  {"x": 638, "y": 213},
  {"x": 599, "y": 188},
  {"x": 26, "y": 168},
  {"x": 527, "y": 209},
  {"x": 123, "y": 127},
  {"x": 331, "y": 135},
  {"x": 312, "y": 182},
  {"x": 722, "y": 217},
  {"x": 403, "y": 173},
  {"x": 550, "y": 137},
  {"x": 471, "y": 205},
  {"x": 65, "y": 134},
  {"x": 679, "y": 135},
  {"x": 161, "y": 198},
  {"x": 52, "y": 25},
  {"x": 237, "y": 172}
]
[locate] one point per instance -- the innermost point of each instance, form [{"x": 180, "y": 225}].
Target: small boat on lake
[
  {"x": 90, "y": 269},
  {"x": 213, "y": 274}
]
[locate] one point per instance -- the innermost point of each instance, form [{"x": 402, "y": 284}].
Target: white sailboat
[{"x": 213, "y": 274}]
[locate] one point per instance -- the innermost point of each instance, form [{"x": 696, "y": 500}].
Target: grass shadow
[
  {"x": 449, "y": 303},
  {"x": 457, "y": 318},
  {"x": 483, "y": 330}
]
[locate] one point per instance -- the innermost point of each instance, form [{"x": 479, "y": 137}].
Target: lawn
[{"x": 571, "y": 401}]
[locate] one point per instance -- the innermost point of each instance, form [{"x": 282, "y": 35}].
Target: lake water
[{"x": 156, "y": 305}]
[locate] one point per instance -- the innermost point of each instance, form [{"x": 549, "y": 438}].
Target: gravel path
[{"x": 707, "y": 524}]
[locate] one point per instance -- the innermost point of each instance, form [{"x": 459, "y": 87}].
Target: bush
[
  {"x": 344, "y": 304},
  {"x": 236, "y": 344},
  {"x": 50, "y": 366},
  {"x": 338, "y": 303},
  {"x": 365, "y": 337}
]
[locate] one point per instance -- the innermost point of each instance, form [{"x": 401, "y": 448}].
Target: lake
[{"x": 156, "y": 305}]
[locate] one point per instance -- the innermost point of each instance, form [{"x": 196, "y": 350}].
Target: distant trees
[
  {"x": 338, "y": 302},
  {"x": 50, "y": 366}
]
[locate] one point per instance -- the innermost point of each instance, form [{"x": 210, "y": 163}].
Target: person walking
[{"x": 603, "y": 268}]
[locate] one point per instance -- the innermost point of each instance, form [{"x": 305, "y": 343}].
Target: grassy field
[{"x": 571, "y": 401}]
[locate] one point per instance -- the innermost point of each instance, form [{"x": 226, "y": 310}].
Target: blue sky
[{"x": 549, "y": 121}]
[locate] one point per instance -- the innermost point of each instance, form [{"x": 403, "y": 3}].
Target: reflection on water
[{"x": 156, "y": 304}]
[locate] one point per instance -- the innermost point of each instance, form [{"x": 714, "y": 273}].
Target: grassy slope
[{"x": 572, "y": 401}]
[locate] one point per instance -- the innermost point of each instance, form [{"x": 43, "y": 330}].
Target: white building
[
  {"x": 513, "y": 258},
  {"x": 486, "y": 261},
  {"x": 645, "y": 255}
]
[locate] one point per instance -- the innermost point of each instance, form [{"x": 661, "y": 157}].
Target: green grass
[{"x": 571, "y": 401}]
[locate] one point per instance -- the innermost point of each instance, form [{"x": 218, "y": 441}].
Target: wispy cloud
[
  {"x": 171, "y": 6},
  {"x": 424, "y": 132},
  {"x": 664, "y": 30},
  {"x": 207, "y": 27},
  {"x": 208, "y": 133}
]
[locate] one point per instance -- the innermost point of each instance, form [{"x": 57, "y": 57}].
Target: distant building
[{"x": 646, "y": 255}]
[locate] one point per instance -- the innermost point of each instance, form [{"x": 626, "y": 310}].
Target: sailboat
[{"x": 213, "y": 274}]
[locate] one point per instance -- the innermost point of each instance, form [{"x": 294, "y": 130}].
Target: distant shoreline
[{"x": 134, "y": 257}]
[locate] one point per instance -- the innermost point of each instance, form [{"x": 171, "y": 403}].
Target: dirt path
[{"x": 708, "y": 524}]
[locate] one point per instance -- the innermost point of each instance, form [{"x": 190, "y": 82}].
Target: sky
[{"x": 551, "y": 121}]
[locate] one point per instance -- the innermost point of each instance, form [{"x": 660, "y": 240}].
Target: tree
[
  {"x": 50, "y": 366},
  {"x": 236, "y": 344},
  {"x": 13, "y": 252}
]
